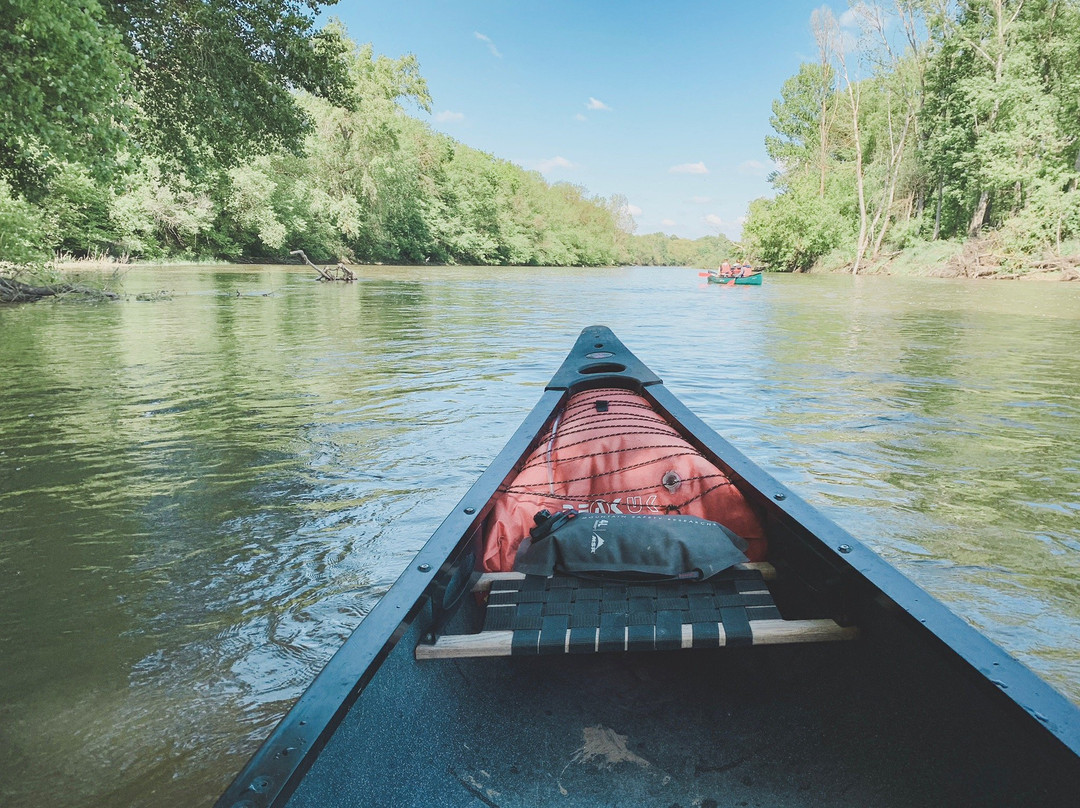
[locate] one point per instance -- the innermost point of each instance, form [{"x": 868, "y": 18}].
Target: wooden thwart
[
  {"x": 483, "y": 584},
  {"x": 532, "y": 616},
  {"x": 764, "y": 632}
]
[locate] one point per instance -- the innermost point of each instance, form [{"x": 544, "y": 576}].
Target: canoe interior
[
  {"x": 920, "y": 710},
  {"x": 878, "y": 722}
]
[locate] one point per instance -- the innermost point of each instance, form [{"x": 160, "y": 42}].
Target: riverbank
[{"x": 980, "y": 258}]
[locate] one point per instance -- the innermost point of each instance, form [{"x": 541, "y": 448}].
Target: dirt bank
[{"x": 980, "y": 258}]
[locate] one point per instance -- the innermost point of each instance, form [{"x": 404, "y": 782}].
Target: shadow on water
[{"x": 201, "y": 497}]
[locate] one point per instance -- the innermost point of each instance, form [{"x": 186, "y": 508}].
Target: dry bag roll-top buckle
[{"x": 546, "y": 523}]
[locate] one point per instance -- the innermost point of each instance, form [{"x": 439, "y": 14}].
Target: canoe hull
[
  {"x": 769, "y": 726},
  {"x": 840, "y": 724},
  {"x": 748, "y": 280}
]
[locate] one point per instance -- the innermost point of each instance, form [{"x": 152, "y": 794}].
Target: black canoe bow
[{"x": 963, "y": 676}]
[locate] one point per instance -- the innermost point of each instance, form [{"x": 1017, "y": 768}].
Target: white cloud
[
  {"x": 689, "y": 168},
  {"x": 446, "y": 116},
  {"x": 732, "y": 230},
  {"x": 850, "y": 17},
  {"x": 580, "y": 117},
  {"x": 843, "y": 32},
  {"x": 755, "y": 168},
  {"x": 633, "y": 210},
  {"x": 701, "y": 200},
  {"x": 668, "y": 222},
  {"x": 489, "y": 43},
  {"x": 544, "y": 166},
  {"x": 595, "y": 103},
  {"x": 864, "y": 15}
]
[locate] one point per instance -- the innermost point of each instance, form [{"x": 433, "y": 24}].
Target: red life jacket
[{"x": 610, "y": 452}]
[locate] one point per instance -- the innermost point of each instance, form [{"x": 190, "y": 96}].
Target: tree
[
  {"x": 803, "y": 117},
  {"x": 987, "y": 29},
  {"x": 197, "y": 82},
  {"x": 898, "y": 50},
  {"x": 213, "y": 79},
  {"x": 797, "y": 228},
  {"x": 64, "y": 87}
]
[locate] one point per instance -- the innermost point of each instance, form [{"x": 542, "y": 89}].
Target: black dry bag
[{"x": 628, "y": 547}]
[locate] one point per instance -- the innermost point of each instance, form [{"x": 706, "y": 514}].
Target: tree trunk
[
  {"x": 860, "y": 183},
  {"x": 896, "y": 157},
  {"x": 937, "y": 213},
  {"x": 979, "y": 218}
]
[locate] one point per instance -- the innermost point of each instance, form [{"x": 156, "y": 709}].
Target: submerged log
[
  {"x": 13, "y": 291},
  {"x": 336, "y": 273}
]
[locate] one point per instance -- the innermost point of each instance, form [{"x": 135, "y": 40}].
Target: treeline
[
  {"x": 660, "y": 249},
  {"x": 234, "y": 130},
  {"x": 928, "y": 120}
]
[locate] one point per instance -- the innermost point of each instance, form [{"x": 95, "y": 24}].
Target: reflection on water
[{"x": 201, "y": 497}]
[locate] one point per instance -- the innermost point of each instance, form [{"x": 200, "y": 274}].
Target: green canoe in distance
[{"x": 744, "y": 280}]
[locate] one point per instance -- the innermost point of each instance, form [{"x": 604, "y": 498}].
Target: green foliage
[
  {"x": 64, "y": 89},
  {"x": 78, "y": 210},
  {"x": 213, "y": 79},
  {"x": 794, "y": 230},
  {"x": 252, "y": 138},
  {"x": 1050, "y": 215},
  {"x": 23, "y": 230},
  {"x": 659, "y": 249},
  {"x": 159, "y": 215},
  {"x": 996, "y": 89},
  {"x": 805, "y": 99},
  {"x": 200, "y": 83}
]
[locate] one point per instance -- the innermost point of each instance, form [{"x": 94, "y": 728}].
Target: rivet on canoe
[
  {"x": 779, "y": 495},
  {"x": 844, "y": 548},
  {"x": 424, "y": 568},
  {"x": 470, "y": 510}
]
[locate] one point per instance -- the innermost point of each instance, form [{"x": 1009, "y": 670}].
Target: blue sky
[{"x": 667, "y": 103}]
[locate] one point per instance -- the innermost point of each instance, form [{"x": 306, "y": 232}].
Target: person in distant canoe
[
  {"x": 725, "y": 269},
  {"x": 747, "y": 270}
]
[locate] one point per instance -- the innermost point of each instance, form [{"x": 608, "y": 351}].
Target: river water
[{"x": 200, "y": 497}]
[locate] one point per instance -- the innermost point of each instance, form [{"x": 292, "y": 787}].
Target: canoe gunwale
[{"x": 861, "y": 583}]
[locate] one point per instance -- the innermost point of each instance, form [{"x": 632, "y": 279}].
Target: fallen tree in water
[
  {"x": 13, "y": 291},
  {"x": 337, "y": 273}
]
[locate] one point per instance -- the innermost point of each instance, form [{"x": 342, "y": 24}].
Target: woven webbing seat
[{"x": 528, "y": 615}]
